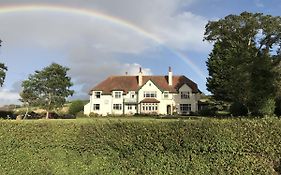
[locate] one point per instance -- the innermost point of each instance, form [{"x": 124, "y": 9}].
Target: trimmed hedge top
[{"x": 141, "y": 146}]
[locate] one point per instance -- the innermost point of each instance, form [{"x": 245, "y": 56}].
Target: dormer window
[
  {"x": 185, "y": 95},
  {"x": 97, "y": 94},
  {"x": 117, "y": 94},
  {"x": 132, "y": 94},
  {"x": 166, "y": 94}
]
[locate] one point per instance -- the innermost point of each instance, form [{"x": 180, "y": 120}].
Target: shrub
[
  {"x": 268, "y": 107},
  {"x": 94, "y": 115},
  {"x": 209, "y": 111},
  {"x": 141, "y": 146},
  {"x": 81, "y": 115},
  {"x": 75, "y": 107},
  {"x": 7, "y": 115},
  {"x": 238, "y": 109},
  {"x": 263, "y": 107},
  {"x": 278, "y": 107}
]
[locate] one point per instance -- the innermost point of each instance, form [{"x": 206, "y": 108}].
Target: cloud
[
  {"x": 95, "y": 49},
  {"x": 8, "y": 97}
]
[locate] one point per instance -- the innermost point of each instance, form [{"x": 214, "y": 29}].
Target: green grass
[{"x": 140, "y": 146}]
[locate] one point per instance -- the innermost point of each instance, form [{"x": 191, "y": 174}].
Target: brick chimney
[
  {"x": 140, "y": 77},
  {"x": 170, "y": 77}
]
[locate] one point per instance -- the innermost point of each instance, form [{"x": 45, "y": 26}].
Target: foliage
[
  {"x": 81, "y": 115},
  {"x": 141, "y": 146},
  {"x": 244, "y": 65},
  {"x": 3, "y": 70},
  {"x": 7, "y": 115},
  {"x": 277, "y": 107},
  {"x": 238, "y": 109},
  {"x": 208, "y": 111},
  {"x": 75, "y": 107},
  {"x": 47, "y": 88}
]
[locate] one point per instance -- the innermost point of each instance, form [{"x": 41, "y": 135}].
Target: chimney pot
[
  {"x": 140, "y": 77},
  {"x": 170, "y": 77}
]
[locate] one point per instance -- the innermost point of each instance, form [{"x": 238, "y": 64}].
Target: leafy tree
[
  {"x": 244, "y": 65},
  {"x": 76, "y": 106},
  {"x": 3, "y": 70},
  {"x": 47, "y": 88}
]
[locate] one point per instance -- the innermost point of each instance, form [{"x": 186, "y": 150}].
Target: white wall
[
  {"x": 174, "y": 100},
  {"x": 162, "y": 106}
]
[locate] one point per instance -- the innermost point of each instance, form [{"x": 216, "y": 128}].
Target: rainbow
[
  {"x": 100, "y": 16},
  {"x": 78, "y": 11}
]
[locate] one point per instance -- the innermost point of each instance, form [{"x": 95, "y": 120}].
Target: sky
[{"x": 99, "y": 38}]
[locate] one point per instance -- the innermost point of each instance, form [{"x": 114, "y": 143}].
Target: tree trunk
[
  {"x": 25, "y": 115},
  {"x": 47, "y": 115}
]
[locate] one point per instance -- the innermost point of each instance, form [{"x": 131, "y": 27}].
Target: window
[
  {"x": 132, "y": 94},
  {"x": 150, "y": 94},
  {"x": 117, "y": 94},
  {"x": 166, "y": 94},
  {"x": 96, "y": 107},
  {"x": 117, "y": 106},
  {"x": 130, "y": 107},
  {"x": 150, "y": 107},
  {"x": 185, "y": 108},
  {"x": 185, "y": 95},
  {"x": 97, "y": 94}
]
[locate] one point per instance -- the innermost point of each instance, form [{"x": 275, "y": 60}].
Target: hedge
[{"x": 141, "y": 146}]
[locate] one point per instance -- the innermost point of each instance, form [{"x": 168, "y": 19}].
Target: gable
[
  {"x": 130, "y": 83},
  {"x": 150, "y": 85},
  {"x": 185, "y": 88}
]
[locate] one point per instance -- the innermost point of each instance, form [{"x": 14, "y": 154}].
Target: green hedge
[{"x": 141, "y": 146}]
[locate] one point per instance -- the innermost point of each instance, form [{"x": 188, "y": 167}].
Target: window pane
[
  {"x": 96, "y": 107},
  {"x": 97, "y": 94}
]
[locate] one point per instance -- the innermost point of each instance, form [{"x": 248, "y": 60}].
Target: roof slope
[{"x": 130, "y": 83}]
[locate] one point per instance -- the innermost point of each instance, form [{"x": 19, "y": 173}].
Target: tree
[
  {"x": 76, "y": 106},
  {"x": 3, "y": 70},
  {"x": 47, "y": 88},
  {"x": 244, "y": 65}
]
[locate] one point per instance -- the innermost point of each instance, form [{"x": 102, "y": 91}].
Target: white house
[{"x": 144, "y": 95}]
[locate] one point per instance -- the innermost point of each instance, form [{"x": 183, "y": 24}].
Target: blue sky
[{"x": 94, "y": 49}]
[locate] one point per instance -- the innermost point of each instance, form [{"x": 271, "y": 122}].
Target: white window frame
[
  {"x": 132, "y": 94},
  {"x": 97, "y": 94},
  {"x": 130, "y": 107},
  {"x": 117, "y": 107},
  {"x": 117, "y": 94},
  {"x": 150, "y": 94},
  {"x": 150, "y": 107},
  {"x": 166, "y": 94},
  {"x": 96, "y": 107}
]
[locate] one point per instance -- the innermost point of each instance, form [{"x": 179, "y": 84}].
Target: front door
[{"x": 169, "y": 112}]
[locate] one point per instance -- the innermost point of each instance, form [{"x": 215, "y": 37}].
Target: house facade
[{"x": 141, "y": 94}]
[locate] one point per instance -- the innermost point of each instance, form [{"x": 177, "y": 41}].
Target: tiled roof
[
  {"x": 150, "y": 100},
  {"x": 130, "y": 83}
]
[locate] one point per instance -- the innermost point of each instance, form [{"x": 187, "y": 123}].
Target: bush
[
  {"x": 81, "y": 115},
  {"x": 7, "y": 115},
  {"x": 268, "y": 107},
  {"x": 209, "y": 111},
  {"x": 141, "y": 146},
  {"x": 278, "y": 107},
  {"x": 94, "y": 115},
  {"x": 238, "y": 109},
  {"x": 76, "y": 106},
  {"x": 263, "y": 107}
]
